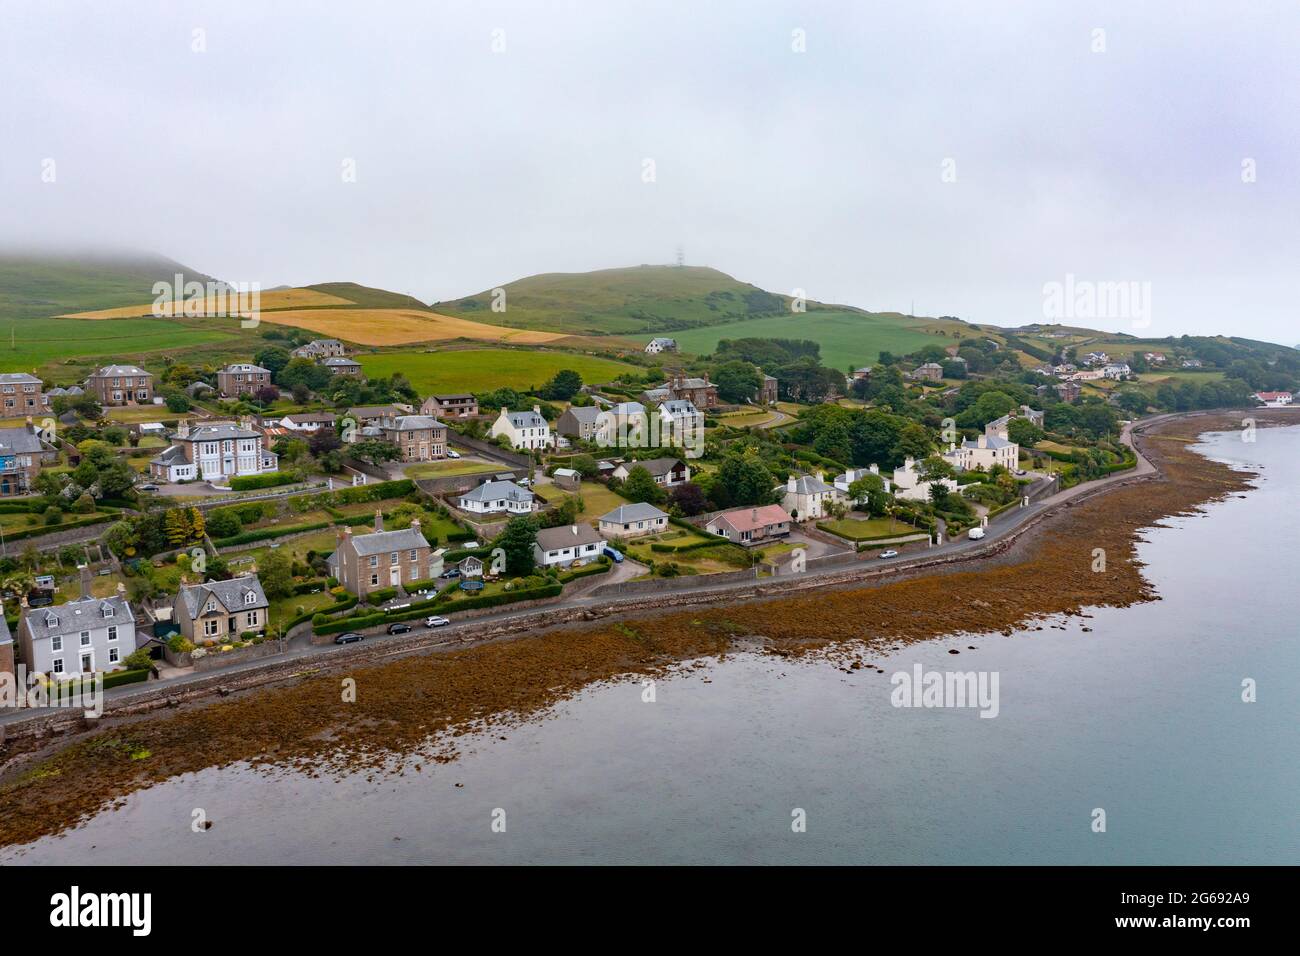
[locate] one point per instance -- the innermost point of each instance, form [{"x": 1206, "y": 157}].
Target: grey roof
[
  {"x": 663, "y": 341},
  {"x": 628, "y": 408},
  {"x": 660, "y": 394},
  {"x": 526, "y": 419},
  {"x": 382, "y": 542},
  {"x": 409, "y": 423},
  {"x": 339, "y": 360},
  {"x": 171, "y": 455},
  {"x": 19, "y": 441},
  {"x": 496, "y": 491},
  {"x": 18, "y": 378},
  {"x": 304, "y": 417},
  {"x": 5, "y": 636},
  {"x": 567, "y": 536},
  {"x": 109, "y": 370},
  {"x": 679, "y": 406},
  {"x": 626, "y": 514},
  {"x": 78, "y": 615},
  {"x": 808, "y": 485},
  {"x": 990, "y": 441},
  {"x": 656, "y": 466},
  {"x": 585, "y": 414},
  {"x": 245, "y": 367},
  {"x": 232, "y": 594},
  {"x": 373, "y": 411},
  {"x": 454, "y": 397},
  {"x": 688, "y": 383},
  {"x": 219, "y": 431}
]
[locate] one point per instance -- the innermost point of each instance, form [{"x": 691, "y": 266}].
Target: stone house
[
  {"x": 219, "y": 610},
  {"x": 368, "y": 562}
]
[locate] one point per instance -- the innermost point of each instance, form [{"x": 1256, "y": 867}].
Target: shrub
[
  {"x": 133, "y": 676},
  {"x": 269, "y": 480}
]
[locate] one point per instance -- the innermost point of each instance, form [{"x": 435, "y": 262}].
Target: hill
[
  {"x": 368, "y": 297},
  {"x": 39, "y": 285}
]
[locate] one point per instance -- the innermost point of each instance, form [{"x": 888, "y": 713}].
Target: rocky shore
[{"x": 400, "y": 707}]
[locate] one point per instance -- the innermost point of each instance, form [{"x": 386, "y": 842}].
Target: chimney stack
[
  {"x": 537, "y": 409},
  {"x": 84, "y": 571},
  {"x": 575, "y": 530},
  {"x": 379, "y": 520},
  {"x": 790, "y": 484},
  {"x": 121, "y": 589}
]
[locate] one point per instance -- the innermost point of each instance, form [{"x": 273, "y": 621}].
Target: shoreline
[{"x": 402, "y": 703}]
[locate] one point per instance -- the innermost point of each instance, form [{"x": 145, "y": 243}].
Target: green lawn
[
  {"x": 846, "y": 338},
  {"x": 481, "y": 370},
  {"x": 449, "y": 468},
  {"x": 856, "y": 529},
  {"x": 38, "y": 342}
]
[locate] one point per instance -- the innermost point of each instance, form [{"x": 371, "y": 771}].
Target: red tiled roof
[{"x": 751, "y": 519}]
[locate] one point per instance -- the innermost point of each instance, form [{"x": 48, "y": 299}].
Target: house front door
[
  {"x": 395, "y": 576},
  {"x": 87, "y": 663}
]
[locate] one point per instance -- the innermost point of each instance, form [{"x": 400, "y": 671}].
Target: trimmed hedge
[
  {"x": 424, "y": 608},
  {"x": 873, "y": 537},
  {"x": 265, "y": 534},
  {"x": 118, "y": 678},
  {"x": 597, "y": 567},
  {"x": 269, "y": 480},
  {"x": 39, "y": 530}
]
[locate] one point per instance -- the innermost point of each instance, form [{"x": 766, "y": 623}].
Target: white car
[
  {"x": 975, "y": 533},
  {"x": 452, "y": 454},
  {"x": 888, "y": 554},
  {"x": 436, "y": 621}
]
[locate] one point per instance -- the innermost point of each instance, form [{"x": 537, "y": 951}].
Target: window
[
  {"x": 85, "y": 638},
  {"x": 210, "y": 628},
  {"x": 56, "y": 642},
  {"x": 374, "y": 560},
  {"x": 112, "y": 632},
  {"x": 57, "y": 665},
  {"x": 112, "y": 655},
  {"x": 374, "y": 580},
  {"x": 413, "y": 554},
  {"x": 394, "y": 558},
  {"x": 250, "y": 598},
  {"x": 251, "y": 618}
]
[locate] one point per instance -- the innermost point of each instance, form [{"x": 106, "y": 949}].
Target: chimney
[
  {"x": 908, "y": 462},
  {"x": 121, "y": 589},
  {"x": 575, "y": 530},
  {"x": 790, "y": 484},
  {"x": 379, "y": 520},
  {"x": 537, "y": 409},
  {"x": 875, "y": 469},
  {"x": 84, "y": 571},
  {"x": 183, "y": 428},
  {"x": 754, "y": 516},
  {"x": 821, "y": 475},
  {"x": 415, "y": 524}
]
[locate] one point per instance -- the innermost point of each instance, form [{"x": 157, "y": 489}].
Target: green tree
[
  {"x": 742, "y": 479},
  {"x": 375, "y": 451},
  {"x": 563, "y": 385},
  {"x": 275, "y": 571},
  {"x": 517, "y": 540},
  {"x": 640, "y": 486},
  {"x": 737, "y": 382}
]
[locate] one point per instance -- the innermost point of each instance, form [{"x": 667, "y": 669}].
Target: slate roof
[
  {"x": 526, "y": 419},
  {"x": 111, "y": 370},
  {"x": 18, "y": 378},
  {"x": 585, "y": 415},
  {"x": 77, "y": 616},
  {"x": 679, "y": 406},
  {"x": 496, "y": 491},
  {"x": 411, "y": 423},
  {"x": 382, "y": 542},
  {"x": 656, "y": 466},
  {"x": 626, "y": 514},
  {"x": 230, "y": 593},
  {"x": 19, "y": 441},
  {"x": 567, "y": 536},
  {"x": 245, "y": 367},
  {"x": 807, "y": 485},
  {"x": 219, "y": 431}
]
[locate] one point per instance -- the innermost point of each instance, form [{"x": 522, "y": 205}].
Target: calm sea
[{"x": 1141, "y": 718}]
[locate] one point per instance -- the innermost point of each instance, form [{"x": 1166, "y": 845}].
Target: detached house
[
  {"x": 751, "y": 526},
  {"x": 495, "y": 497},
  {"x": 458, "y": 405},
  {"x": 121, "y": 385},
  {"x": 661, "y": 344},
  {"x": 214, "y": 451},
  {"x": 681, "y": 425},
  {"x": 368, "y": 562},
  {"x": 565, "y": 545},
  {"x": 320, "y": 349},
  {"x": 631, "y": 521},
  {"x": 20, "y": 394},
  {"x": 929, "y": 372},
  {"x": 525, "y": 430},
  {"x": 342, "y": 366},
  {"x": 242, "y": 379},
  {"x": 81, "y": 637},
  {"x": 986, "y": 451},
  {"x": 582, "y": 423},
  {"x": 666, "y": 472},
  {"x": 807, "y": 497},
  {"x": 417, "y": 437},
  {"x": 220, "y": 609}
]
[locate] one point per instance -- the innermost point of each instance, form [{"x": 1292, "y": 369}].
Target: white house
[
  {"x": 214, "y": 451},
  {"x": 807, "y": 497},
  {"x": 565, "y": 545},
  {"x": 1116, "y": 370},
  {"x": 986, "y": 451},
  {"x": 81, "y": 637},
  {"x": 493, "y": 497},
  {"x": 911, "y": 485},
  {"x": 667, "y": 472},
  {"x": 843, "y": 481},
  {"x": 1273, "y": 399},
  {"x": 657, "y": 345},
  {"x": 681, "y": 425},
  {"x": 524, "y": 429},
  {"x": 630, "y": 521}
]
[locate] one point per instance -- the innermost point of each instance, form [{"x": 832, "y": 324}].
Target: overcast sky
[{"x": 821, "y": 170}]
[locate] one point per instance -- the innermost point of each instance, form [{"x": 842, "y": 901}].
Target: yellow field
[
  {"x": 277, "y": 299},
  {"x": 400, "y": 326}
]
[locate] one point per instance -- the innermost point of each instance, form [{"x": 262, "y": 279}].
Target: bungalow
[
  {"x": 308, "y": 421},
  {"x": 631, "y": 521},
  {"x": 523, "y": 429},
  {"x": 564, "y": 545},
  {"x": 494, "y": 497},
  {"x": 806, "y": 497},
  {"x": 751, "y": 526},
  {"x": 666, "y": 472},
  {"x": 219, "y": 610},
  {"x": 1273, "y": 399}
]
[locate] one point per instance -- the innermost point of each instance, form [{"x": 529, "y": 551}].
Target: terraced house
[
  {"x": 220, "y": 609},
  {"x": 369, "y": 562},
  {"x": 417, "y": 437},
  {"x": 242, "y": 379},
  {"x": 121, "y": 385},
  {"x": 20, "y": 394},
  {"x": 214, "y": 451},
  {"x": 83, "y": 636}
]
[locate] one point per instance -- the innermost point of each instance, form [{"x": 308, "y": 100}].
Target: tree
[
  {"x": 375, "y": 451},
  {"x": 273, "y": 358},
  {"x": 833, "y": 442},
  {"x": 585, "y": 465},
  {"x": 737, "y": 382},
  {"x": 742, "y": 479},
  {"x": 178, "y": 402},
  {"x": 869, "y": 492},
  {"x": 275, "y": 571},
  {"x": 517, "y": 541},
  {"x": 688, "y": 498},
  {"x": 267, "y": 394},
  {"x": 914, "y": 441},
  {"x": 1024, "y": 432},
  {"x": 177, "y": 524},
  {"x": 563, "y": 385},
  {"x": 639, "y": 485}
]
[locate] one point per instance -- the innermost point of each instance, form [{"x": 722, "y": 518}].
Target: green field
[
  {"x": 847, "y": 338},
  {"x": 37, "y": 342},
  {"x": 481, "y": 370},
  {"x": 36, "y": 285}
]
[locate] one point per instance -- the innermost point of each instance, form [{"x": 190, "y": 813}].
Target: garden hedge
[
  {"x": 117, "y": 678},
  {"x": 269, "y": 480}
]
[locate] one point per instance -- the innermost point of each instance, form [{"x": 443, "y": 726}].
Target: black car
[
  {"x": 450, "y": 573},
  {"x": 349, "y": 637},
  {"x": 399, "y": 628}
]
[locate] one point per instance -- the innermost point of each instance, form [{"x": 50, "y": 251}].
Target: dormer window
[
  {"x": 51, "y": 621},
  {"x": 212, "y": 605},
  {"x": 107, "y": 610},
  {"x": 250, "y": 598}
]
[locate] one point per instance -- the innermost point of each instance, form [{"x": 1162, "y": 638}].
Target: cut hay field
[
  {"x": 400, "y": 327},
  {"x": 274, "y": 299},
  {"x": 846, "y": 338},
  {"x": 479, "y": 370},
  {"x": 41, "y": 341}
]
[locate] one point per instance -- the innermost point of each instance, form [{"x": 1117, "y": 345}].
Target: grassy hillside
[
  {"x": 34, "y": 286},
  {"x": 480, "y": 370},
  {"x": 368, "y": 297},
  {"x": 63, "y": 349},
  {"x": 643, "y": 299}
]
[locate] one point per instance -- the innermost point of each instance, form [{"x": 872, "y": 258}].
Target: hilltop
[{"x": 39, "y": 285}]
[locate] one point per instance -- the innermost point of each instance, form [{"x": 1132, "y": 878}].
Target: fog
[{"x": 942, "y": 158}]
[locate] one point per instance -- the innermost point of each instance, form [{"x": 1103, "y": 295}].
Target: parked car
[
  {"x": 1020, "y": 473},
  {"x": 524, "y": 482},
  {"x": 399, "y": 628},
  {"x": 349, "y": 637},
  {"x": 975, "y": 533},
  {"x": 452, "y": 454},
  {"x": 148, "y": 487},
  {"x": 888, "y": 554},
  {"x": 450, "y": 573},
  {"x": 614, "y": 554},
  {"x": 436, "y": 621}
]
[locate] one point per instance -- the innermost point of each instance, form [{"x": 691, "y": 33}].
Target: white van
[{"x": 975, "y": 533}]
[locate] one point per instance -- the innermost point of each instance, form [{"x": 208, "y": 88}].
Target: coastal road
[{"x": 463, "y": 631}]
